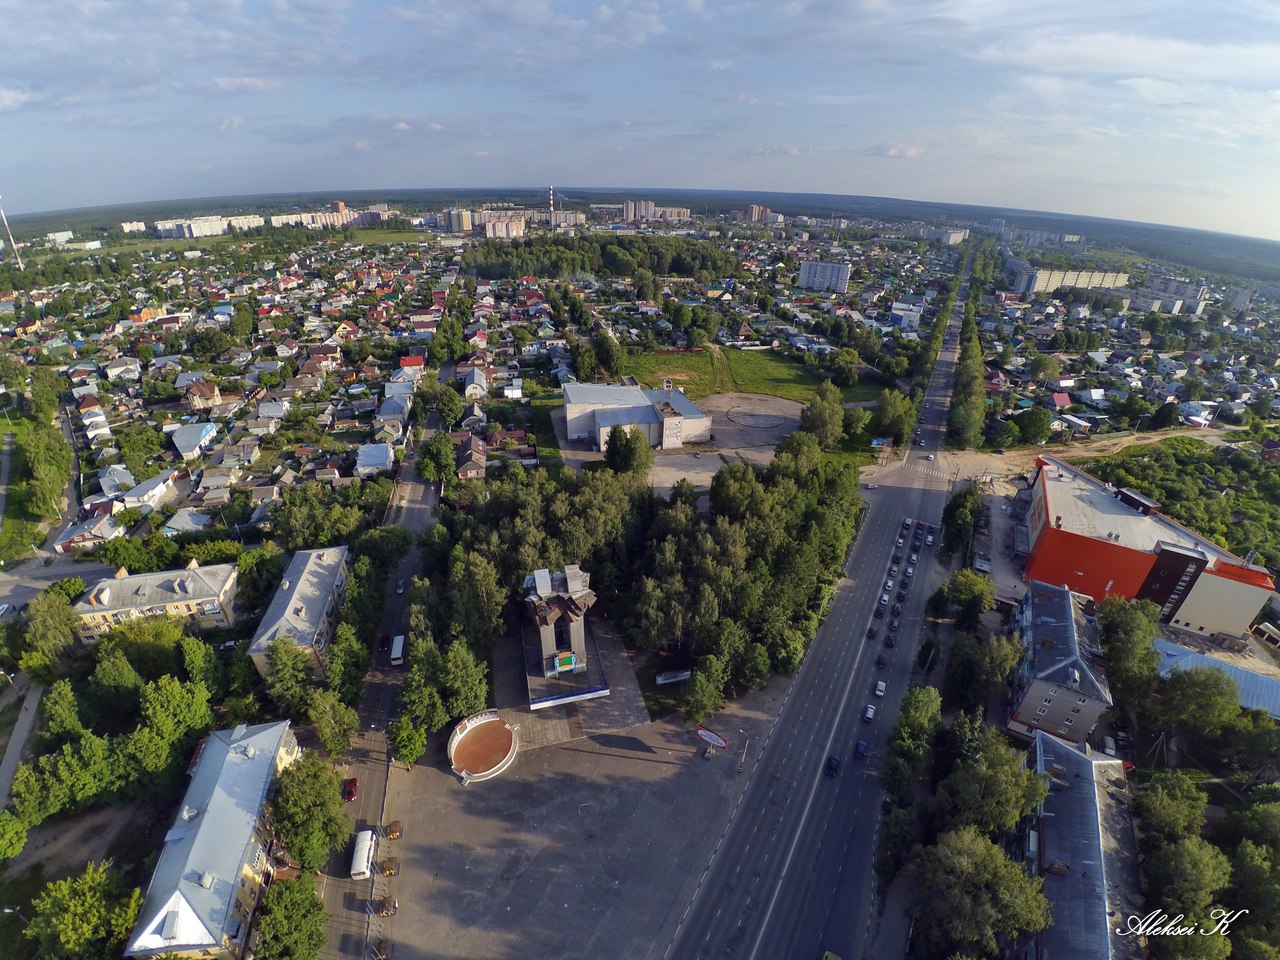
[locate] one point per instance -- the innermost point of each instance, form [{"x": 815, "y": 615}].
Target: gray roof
[
  {"x": 188, "y": 437},
  {"x": 189, "y": 902},
  {"x": 1085, "y": 853},
  {"x": 1060, "y": 640},
  {"x": 375, "y": 456},
  {"x": 684, "y": 406},
  {"x": 1257, "y": 691},
  {"x": 604, "y": 395},
  {"x": 625, "y": 416},
  {"x": 139, "y": 591},
  {"x": 298, "y": 608}
]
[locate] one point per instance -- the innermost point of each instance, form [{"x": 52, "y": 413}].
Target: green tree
[
  {"x": 308, "y": 812},
  {"x": 335, "y": 722},
  {"x": 61, "y": 712},
  {"x": 1166, "y": 416},
  {"x": 13, "y": 835},
  {"x": 1034, "y": 425},
  {"x": 202, "y": 664},
  {"x": 990, "y": 788},
  {"x": 50, "y": 630},
  {"x": 449, "y": 405},
  {"x": 69, "y": 587},
  {"x": 408, "y": 739},
  {"x": 1199, "y": 704},
  {"x": 1188, "y": 873},
  {"x": 627, "y": 451},
  {"x": 824, "y": 416},
  {"x": 968, "y": 897},
  {"x": 345, "y": 664},
  {"x": 115, "y": 689},
  {"x": 1126, "y": 629},
  {"x": 476, "y": 597},
  {"x": 893, "y": 416},
  {"x": 972, "y": 594},
  {"x": 436, "y": 459},
  {"x": 149, "y": 643},
  {"x": 1172, "y": 807},
  {"x": 977, "y": 668},
  {"x": 705, "y": 693},
  {"x": 856, "y": 420},
  {"x": 291, "y": 921},
  {"x": 462, "y": 678},
  {"x": 85, "y": 917},
  {"x": 1044, "y": 366},
  {"x": 288, "y": 678}
]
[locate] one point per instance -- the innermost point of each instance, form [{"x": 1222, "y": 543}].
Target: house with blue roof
[{"x": 1258, "y": 691}]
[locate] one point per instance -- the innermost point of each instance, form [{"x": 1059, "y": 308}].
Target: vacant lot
[{"x": 734, "y": 371}]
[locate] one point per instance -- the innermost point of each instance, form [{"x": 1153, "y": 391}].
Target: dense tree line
[
  {"x": 959, "y": 517},
  {"x": 967, "y": 417},
  {"x": 599, "y": 255},
  {"x": 1228, "y": 496}
]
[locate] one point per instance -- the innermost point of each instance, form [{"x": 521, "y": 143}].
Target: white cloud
[
  {"x": 362, "y": 146},
  {"x": 896, "y": 151},
  {"x": 481, "y": 153},
  {"x": 12, "y": 98},
  {"x": 245, "y": 84},
  {"x": 436, "y": 126},
  {"x": 402, "y": 126},
  {"x": 230, "y": 123}
]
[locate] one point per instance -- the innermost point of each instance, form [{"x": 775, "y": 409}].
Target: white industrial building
[{"x": 667, "y": 418}]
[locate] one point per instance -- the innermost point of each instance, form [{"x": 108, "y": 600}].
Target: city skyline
[{"x": 1143, "y": 113}]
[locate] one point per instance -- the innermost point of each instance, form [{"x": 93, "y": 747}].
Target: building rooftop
[
  {"x": 1064, "y": 643},
  {"x": 127, "y": 591},
  {"x": 1086, "y": 853},
  {"x": 673, "y": 398},
  {"x": 601, "y": 394},
  {"x": 189, "y": 902},
  {"x": 1257, "y": 690},
  {"x": 1084, "y": 505},
  {"x": 301, "y": 601}
]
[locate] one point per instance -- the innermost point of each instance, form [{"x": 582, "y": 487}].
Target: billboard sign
[{"x": 712, "y": 738}]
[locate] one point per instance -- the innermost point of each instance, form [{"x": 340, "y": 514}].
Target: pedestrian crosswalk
[{"x": 928, "y": 470}]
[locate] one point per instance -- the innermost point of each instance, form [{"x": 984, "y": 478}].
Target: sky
[{"x": 1167, "y": 112}]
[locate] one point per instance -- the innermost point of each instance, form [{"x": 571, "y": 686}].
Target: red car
[{"x": 350, "y": 787}]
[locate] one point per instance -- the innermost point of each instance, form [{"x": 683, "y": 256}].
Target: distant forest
[
  {"x": 1216, "y": 254},
  {"x": 599, "y": 255}
]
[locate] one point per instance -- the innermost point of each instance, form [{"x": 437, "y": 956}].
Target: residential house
[
  {"x": 82, "y": 536},
  {"x": 474, "y": 418},
  {"x": 149, "y": 494},
  {"x": 193, "y": 439},
  {"x": 123, "y": 368},
  {"x": 475, "y": 385},
  {"x": 305, "y": 608},
  {"x": 1060, "y": 686},
  {"x": 202, "y": 396},
  {"x": 187, "y": 520},
  {"x": 1270, "y": 451},
  {"x": 202, "y": 597},
  {"x": 393, "y": 414},
  {"x": 373, "y": 459},
  {"x": 216, "y": 856},
  {"x": 472, "y": 455}
]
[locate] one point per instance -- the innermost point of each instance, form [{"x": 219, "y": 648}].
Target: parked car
[
  {"x": 399, "y": 586},
  {"x": 880, "y": 662},
  {"x": 888, "y": 584},
  {"x": 897, "y": 609},
  {"x": 871, "y": 633},
  {"x": 902, "y": 595},
  {"x": 890, "y": 640},
  {"x": 884, "y": 599},
  {"x": 931, "y": 457},
  {"x": 929, "y": 540},
  {"x": 350, "y": 788},
  {"x": 4, "y": 608},
  {"x": 879, "y": 613},
  {"x": 895, "y": 625}
]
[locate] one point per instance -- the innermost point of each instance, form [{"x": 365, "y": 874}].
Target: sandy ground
[{"x": 746, "y": 426}]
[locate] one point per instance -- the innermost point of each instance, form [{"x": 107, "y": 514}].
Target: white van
[
  {"x": 397, "y": 650},
  {"x": 362, "y": 856}
]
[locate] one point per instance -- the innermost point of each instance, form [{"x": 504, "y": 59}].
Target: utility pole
[{"x": 17, "y": 256}]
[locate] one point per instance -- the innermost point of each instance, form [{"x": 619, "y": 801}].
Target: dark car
[
  {"x": 897, "y": 609},
  {"x": 384, "y": 642},
  {"x": 833, "y": 765},
  {"x": 879, "y": 613},
  {"x": 902, "y": 595},
  {"x": 350, "y": 788},
  {"x": 399, "y": 586},
  {"x": 919, "y": 524},
  {"x": 895, "y": 624},
  {"x": 897, "y": 558},
  {"x": 890, "y": 640},
  {"x": 881, "y": 661},
  {"x": 871, "y": 633},
  {"x": 860, "y": 750}
]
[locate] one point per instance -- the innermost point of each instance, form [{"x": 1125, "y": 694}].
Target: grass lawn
[
  {"x": 18, "y": 531},
  {"x": 548, "y": 448},
  {"x": 855, "y": 451},
  {"x": 661, "y": 701},
  {"x": 735, "y": 371}
]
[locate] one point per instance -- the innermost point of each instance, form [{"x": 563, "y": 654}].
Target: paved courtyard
[{"x": 591, "y": 848}]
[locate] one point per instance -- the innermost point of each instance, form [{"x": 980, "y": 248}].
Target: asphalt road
[{"x": 792, "y": 874}]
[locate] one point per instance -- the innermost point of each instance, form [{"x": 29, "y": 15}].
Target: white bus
[
  {"x": 362, "y": 857},
  {"x": 397, "y": 650}
]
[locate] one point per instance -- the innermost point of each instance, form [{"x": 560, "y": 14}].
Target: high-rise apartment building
[{"x": 819, "y": 275}]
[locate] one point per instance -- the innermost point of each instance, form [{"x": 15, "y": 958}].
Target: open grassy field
[{"x": 735, "y": 371}]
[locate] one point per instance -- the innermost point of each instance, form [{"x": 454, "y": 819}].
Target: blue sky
[{"x": 1161, "y": 111}]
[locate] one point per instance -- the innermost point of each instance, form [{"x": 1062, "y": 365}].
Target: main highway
[{"x": 791, "y": 875}]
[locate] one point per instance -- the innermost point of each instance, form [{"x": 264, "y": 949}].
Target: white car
[
  {"x": 888, "y": 584},
  {"x": 884, "y": 599},
  {"x": 929, "y": 457},
  {"x": 4, "y": 608},
  {"x": 870, "y": 713},
  {"x": 880, "y": 688}
]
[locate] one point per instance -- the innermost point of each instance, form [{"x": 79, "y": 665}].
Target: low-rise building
[
  {"x": 373, "y": 459},
  {"x": 305, "y": 608},
  {"x": 202, "y": 597},
  {"x": 216, "y": 857},
  {"x": 89, "y": 533},
  {"x": 1080, "y": 842},
  {"x": 1060, "y": 685}
]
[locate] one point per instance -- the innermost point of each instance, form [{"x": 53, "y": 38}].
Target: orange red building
[{"x": 1098, "y": 540}]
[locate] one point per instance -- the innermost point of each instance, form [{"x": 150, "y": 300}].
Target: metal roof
[{"x": 1257, "y": 691}]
